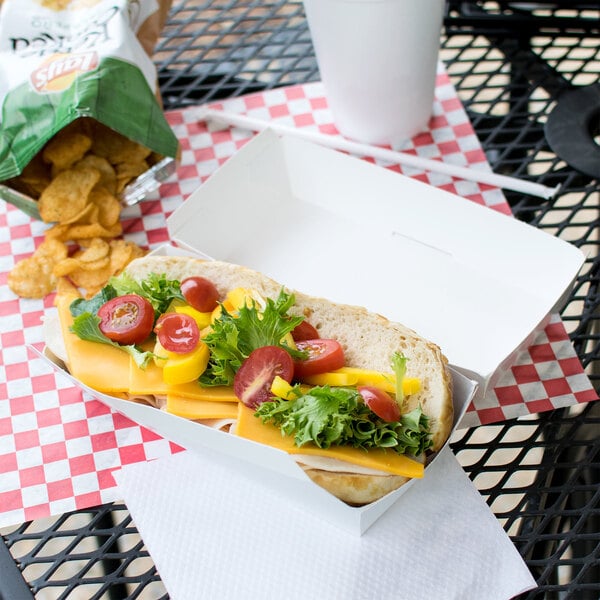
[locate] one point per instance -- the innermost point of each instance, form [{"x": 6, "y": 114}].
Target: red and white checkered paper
[{"x": 59, "y": 448}]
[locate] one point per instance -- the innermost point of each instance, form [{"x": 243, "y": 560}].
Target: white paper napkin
[{"x": 216, "y": 533}]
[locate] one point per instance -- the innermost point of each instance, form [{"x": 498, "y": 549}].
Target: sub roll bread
[{"x": 359, "y": 401}]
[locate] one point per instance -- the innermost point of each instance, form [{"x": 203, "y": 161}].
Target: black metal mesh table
[{"x": 513, "y": 64}]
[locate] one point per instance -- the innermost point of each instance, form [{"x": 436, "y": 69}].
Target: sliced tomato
[
  {"x": 304, "y": 331},
  {"x": 323, "y": 355},
  {"x": 200, "y": 293},
  {"x": 126, "y": 319},
  {"x": 380, "y": 402},
  {"x": 177, "y": 332},
  {"x": 253, "y": 380}
]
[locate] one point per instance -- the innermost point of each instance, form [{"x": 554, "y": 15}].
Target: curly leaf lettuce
[
  {"x": 234, "y": 337},
  {"x": 157, "y": 289},
  {"x": 327, "y": 416}
]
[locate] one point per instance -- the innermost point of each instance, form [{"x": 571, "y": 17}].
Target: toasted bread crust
[
  {"x": 368, "y": 340},
  {"x": 356, "y": 489}
]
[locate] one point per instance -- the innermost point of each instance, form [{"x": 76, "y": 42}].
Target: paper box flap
[{"x": 472, "y": 280}]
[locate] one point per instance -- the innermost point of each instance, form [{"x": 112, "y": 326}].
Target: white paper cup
[{"x": 378, "y": 61}]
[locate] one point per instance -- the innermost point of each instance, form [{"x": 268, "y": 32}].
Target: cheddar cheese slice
[
  {"x": 194, "y": 390},
  {"x": 252, "y": 428},
  {"x": 200, "y": 409},
  {"x": 103, "y": 368},
  {"x": 146, "y": 381}
]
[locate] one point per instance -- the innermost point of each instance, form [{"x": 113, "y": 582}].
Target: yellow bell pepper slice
[
  {"x": 282, "y": 389},
  {"x": 411, "y": 385},
  {"x": 160, "y": 354},
  {"x": 203, "y": 319},
  {"x": 218, "y": 311},
  {"x": 288, "y": 340},
  {"x": 333, "y": 378},
  {"x": 182, "y": 368},
  {"x": 379, "y": 379},
  {"x": 355, "y": 376},
  {"x": 241, "y": 296}
]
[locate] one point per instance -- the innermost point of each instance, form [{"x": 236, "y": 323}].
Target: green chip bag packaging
[{"x": 79, "y": 90}]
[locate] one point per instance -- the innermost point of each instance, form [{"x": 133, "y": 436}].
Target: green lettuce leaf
[
  {"x": 233, "y": 338},
  {"x": 399, "y": 367},
  {"x": 81, "y": 305},
  {"x": 157, "y": 289},
  {"x": 86, "y": 327},
  {"x": 328, "y": 416}
]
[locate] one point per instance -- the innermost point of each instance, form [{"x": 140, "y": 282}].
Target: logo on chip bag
[{"x": 58, "y": 71}]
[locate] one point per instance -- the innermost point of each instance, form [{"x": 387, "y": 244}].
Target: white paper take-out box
[
  {"x": 333, "y": 226},
  {"x": 271, "y": 466}
]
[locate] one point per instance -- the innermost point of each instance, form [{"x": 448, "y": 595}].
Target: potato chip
[
  {"x": 91, "y": 280},
  {"x": 107, "y": 204},
  {"x": 86, "y": 215},
  {"x": 97, "y": 249},
  {"x": 65, "y": 149},
  {"x": 34, "y": 178},
  {"x": 67, "y": 194},
  {"x": 71, "y": 265},
  {"x": 108, "y": 177},
  {"x": 116, "y": 148},
  {"x": 95, "y": 265},
  {"x": 127, "y": 171},
  {"x": 33, "y": 277},
  {"x": 130, "y": 169},
  {"x": 80, "y": 233},
  {"x": 53, "y": 249},
  {"x": 120, "y": 254},
  {"x": 137, "y": 252},
  {"x": 65, "y": 267},
  {"x": 58, "y": 232},
  {"x": 93, "y": 258}
]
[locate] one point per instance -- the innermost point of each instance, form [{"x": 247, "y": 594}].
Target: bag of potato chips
[
  {"x": 82, "y": 133},
  {"x": 77, "y": 83}
]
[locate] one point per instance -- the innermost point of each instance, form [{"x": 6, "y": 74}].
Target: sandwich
[{"x": 360, "y": 402}]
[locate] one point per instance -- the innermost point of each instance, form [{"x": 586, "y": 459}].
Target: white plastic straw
[{"x": 339, "y": 143}]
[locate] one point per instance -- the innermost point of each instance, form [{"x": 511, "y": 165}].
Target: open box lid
[{"x": 474, "y": 281}]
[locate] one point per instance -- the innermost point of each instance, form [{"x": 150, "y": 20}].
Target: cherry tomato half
[
  {"x": 177, "y": 332},
  {"x": 126, "y": 319},
  {"x": 200, "y": 293},
  {"x": 253, "y": 380},
  {"x": 380, "y": 402},
  {"x": 304, "y": 331},
  {"x": 323, "y": 355}
]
